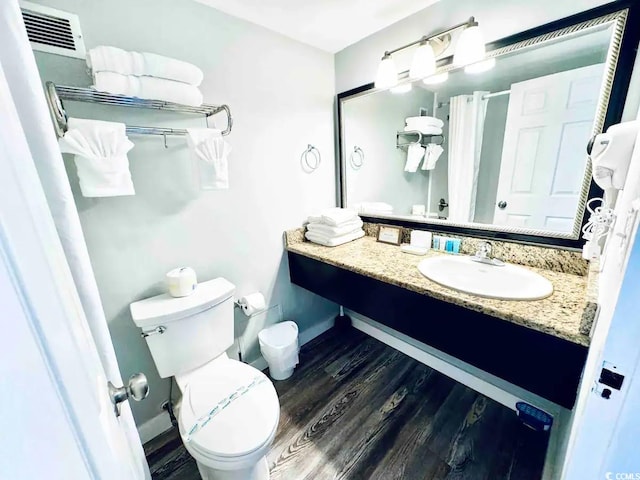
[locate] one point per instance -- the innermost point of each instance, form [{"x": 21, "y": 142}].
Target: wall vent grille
[{"x": 53, "y": 31}]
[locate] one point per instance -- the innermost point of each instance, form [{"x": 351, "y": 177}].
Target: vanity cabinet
[{"x": 538, "y": 362}]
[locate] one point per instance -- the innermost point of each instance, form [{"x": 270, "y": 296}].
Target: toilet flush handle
[{"x": 137, "y": 389}]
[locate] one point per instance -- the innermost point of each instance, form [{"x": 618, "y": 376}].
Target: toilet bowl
[{"x": 228, "y": 419}]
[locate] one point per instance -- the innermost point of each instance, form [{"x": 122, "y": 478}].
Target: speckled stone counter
[{"x": 566, "y": 314}]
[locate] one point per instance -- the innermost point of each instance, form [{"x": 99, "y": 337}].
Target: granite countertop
[{"x": 563, "y": 314}]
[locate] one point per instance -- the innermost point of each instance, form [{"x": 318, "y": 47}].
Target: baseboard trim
[
  {"x": 154, "y": 427},
  {"x": 304, "y": 337}
]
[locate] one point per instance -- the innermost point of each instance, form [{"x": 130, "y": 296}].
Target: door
[
  {"x": 57, "y": 415},
  {"x": 603, "y": 442},
  {"x": 549, "y": 122}
]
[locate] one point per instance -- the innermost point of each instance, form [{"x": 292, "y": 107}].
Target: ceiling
[{"x": 329, "y": 25}]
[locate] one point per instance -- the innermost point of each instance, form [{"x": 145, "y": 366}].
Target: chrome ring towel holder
[
  {"x": 310, "y": 159},
  {"x": 356, "y": 159}
]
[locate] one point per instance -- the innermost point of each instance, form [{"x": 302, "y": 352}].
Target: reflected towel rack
[
  {"x": 56, "y": 93},
  {"x": 420, "y": 135}
]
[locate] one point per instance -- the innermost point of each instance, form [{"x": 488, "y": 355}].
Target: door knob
[
  {"x": 137, "y": 389},
  {"x": 502, "y": 204}
]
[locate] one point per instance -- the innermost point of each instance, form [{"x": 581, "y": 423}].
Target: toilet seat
[{"x": 229, "y": 411}]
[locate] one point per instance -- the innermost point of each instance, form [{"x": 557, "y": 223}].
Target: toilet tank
[{"x": 195, "y": 329}]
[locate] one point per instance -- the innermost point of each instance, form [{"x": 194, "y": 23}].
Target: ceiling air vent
[{"x": 53, "y": 31}]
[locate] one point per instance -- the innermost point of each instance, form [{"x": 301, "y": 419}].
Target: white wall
[
  {"x": 371, "y": 123},
  {"x": 281, "y": 95}
]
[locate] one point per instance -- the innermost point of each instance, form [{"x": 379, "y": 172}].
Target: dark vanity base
[{"x": 540, "y": 363}]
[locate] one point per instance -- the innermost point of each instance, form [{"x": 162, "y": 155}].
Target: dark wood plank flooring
[{"x": 358, "y": 409}]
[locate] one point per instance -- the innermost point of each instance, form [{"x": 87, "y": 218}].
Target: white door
[
  {"x": 549, "y": 123},
  {"x": 604, "y": 436},
  {"x": 57, "y": 417}
]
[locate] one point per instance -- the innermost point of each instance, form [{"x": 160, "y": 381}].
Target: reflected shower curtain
[{"x": 466, "y": 125}]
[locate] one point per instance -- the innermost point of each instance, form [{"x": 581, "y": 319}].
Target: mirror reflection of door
[{"x": 549, "y": 122}]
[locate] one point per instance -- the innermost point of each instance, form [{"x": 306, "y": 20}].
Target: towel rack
[
  {"x": 56, "y": 93},
  {"x": 420, "y": 135}
]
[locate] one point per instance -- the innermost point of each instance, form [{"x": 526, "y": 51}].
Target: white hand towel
[
  {"x": 315, "y": 218},
  {"x": 415, "y": 152},
  {"x": 336, "y": 217},
  {"x": 431, "y": 157},
  {"x": 210, "y": 152},
  {"x": 345, "y": 228},
  {"x": 100, "y": 150},
  {"x": 426, "y": 130},
  {"x": 112, "y": 59},
  {"x": 334, "y": 242},
  {"x": 148, "y": 87}
]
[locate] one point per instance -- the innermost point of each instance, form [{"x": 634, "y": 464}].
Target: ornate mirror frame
[{"x": 623, "y": 16}]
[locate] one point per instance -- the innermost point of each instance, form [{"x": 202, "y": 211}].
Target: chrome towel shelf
[
  {"x": 56, "y": 93},
  {"x": 420, "y": 135}
]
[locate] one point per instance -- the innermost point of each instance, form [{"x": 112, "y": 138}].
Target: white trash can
[{"x": 279, "y": 347}]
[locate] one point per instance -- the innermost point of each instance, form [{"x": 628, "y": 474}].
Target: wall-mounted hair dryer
[{"x": 610, "y": 155}]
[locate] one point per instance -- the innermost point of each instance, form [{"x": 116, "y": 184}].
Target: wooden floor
[{"x": 358, "y": 409}]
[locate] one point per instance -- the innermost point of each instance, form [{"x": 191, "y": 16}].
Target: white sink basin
[{"x": 507, "y": 282}]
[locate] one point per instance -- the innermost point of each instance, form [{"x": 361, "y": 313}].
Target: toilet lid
[{"x": 229, "y": 412}]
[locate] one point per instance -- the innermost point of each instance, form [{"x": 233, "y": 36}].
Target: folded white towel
[
  {"x": 322, "y": 229},
  {"x": 210, "y": 152},
  {"x": 336, "y": 217},
  {"x": 431, "y": 156},
  {"x": 148, "y": 87},
  {"x": 334, "y": 242},
  {"x": 100, "y": 150},
  {"x": 415, "y": 152},
  {"x": 424, "y": 121},
  {"x": 426, "y": 130},
  {"x": 112, "y": 59}
]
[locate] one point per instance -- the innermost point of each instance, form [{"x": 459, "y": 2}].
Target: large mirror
[{"x": 502, "y": 149}]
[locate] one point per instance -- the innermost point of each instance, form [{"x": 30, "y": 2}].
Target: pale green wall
[{"x": 281, "y": 95}]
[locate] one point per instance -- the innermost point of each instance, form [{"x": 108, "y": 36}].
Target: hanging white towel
[
  {"x": 415, "y": 152},
  {"x": 210, "y": 152},
  {"x": 100, "y": 150},
  {"x": 148, "y": 87},
  {"x": 431, "y": 156},
  {"x": 112, "y": 59}
]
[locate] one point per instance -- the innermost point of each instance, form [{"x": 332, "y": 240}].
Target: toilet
[{"x": 229, "y": 411}]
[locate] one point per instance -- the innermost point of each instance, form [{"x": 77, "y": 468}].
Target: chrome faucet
[{"x": 483, "y": 255}]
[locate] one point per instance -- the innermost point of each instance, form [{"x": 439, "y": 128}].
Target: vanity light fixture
[
  {"x": 387, "y": 74},
  {"x": 469, "y": 49},
  {"x": 424, "y": 61}
]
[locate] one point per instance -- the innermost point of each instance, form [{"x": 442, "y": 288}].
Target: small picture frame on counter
[{"x": 389, "y": 234}]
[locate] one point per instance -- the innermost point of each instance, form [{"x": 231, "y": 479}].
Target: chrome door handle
[
  {"x": 502, "y": 204},
  {"x": 137, "y": 389}
]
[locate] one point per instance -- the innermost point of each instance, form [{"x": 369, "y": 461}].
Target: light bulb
[
  {"x": 435, "y": 79},
  {"x": 402, "y": 88},
  {"x": 480, "y": 67},
  {"x": 470, "y": 47},
  {"x": 387, "y": 75},
  {"x": 424, "y": 62}
]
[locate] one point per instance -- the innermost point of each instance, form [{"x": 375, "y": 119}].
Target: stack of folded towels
[
  {"x": 145, "y": 75},
  {"x": 425, "y": 125},
  {"x": 334, "y": 227}
]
